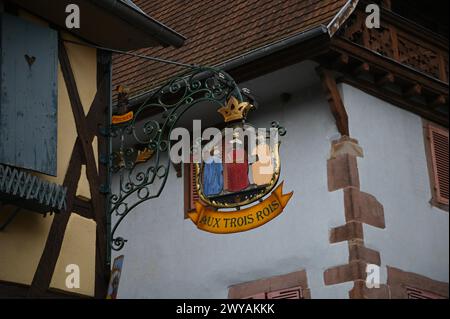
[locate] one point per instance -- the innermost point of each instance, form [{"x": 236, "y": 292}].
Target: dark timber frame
[{"x": 87, "y": 128}]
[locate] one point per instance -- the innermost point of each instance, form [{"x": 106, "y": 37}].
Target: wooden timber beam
[
  {"x": 44, "y": 272},
  {"x": 362, "y": 68},
  {"x": 414, "y": 90},
  {"x": 86, "y": 134},
  {"x": 334, "y": 99},
  {"x": 341, "y": 62},
  {"x": 386, "y": 79},
  {"x": 87, "y": 128},
  {"x": 439, "y": 101},
  {"x": 405, "y": 73}
]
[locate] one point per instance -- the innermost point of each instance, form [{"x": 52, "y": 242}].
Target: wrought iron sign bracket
[
  {"x": 138, "y": 183},
  {"x": 141, "y": 142}
]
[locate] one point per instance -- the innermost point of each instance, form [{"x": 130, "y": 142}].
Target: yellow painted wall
[
  {"x": 21, "y": 245},
  {"x": 78, "y": 248},
  {"x": 23, "y": 241}
]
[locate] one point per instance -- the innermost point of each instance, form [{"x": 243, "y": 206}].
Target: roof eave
[
  {"x": 113, "y": 24},
  {"x": 130, "y": 15},
  {"x": 251, "y": 56}
]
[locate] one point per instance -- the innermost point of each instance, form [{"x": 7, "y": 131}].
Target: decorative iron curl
[
  {"x": 139, "y": 183},
  {"x": 281, "y": 129}
]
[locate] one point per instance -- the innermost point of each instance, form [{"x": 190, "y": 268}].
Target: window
[
  {"x": 437, "y": 155},
  {"x": 28, "y": 94},
  {"x": 289, "y": 286}
]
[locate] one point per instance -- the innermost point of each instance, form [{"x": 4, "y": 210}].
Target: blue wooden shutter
[{"x": 28, "y": 95}]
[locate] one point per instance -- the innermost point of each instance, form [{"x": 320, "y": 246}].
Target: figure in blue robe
[{"x": 212, "y": 176}]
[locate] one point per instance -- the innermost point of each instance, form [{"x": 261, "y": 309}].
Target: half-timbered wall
[{"x": 23, "y": 242}]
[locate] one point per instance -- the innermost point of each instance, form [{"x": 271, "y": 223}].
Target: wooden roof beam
[
  {"x": 415, "y": 90},
  {"x": 341, "y": 61},
  {"x": 334, "y": 100},
  {"x": 386, "y": 79},
  {"x": 438, "y": 101},
  {"x": 361, "y": 69}
]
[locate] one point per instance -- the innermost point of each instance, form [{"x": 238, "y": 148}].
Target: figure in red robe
[{"x": 236, "y": 167}]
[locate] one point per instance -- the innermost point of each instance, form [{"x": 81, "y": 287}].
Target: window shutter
[
  {"x": 261, "y": 295},
  {"x": 193, "y": 187},
  {"x": 28, "y": 94},
  {"x": 293, "y": 285},
  {"x": 289, "y": 293},
  {"x": 439, "y": 156},
  {"x": 190, "y": 190},
  {"x": 414, "y": 293}
]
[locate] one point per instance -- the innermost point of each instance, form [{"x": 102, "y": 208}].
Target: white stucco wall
[
  {"x": 168, "y": 257},
  {"x": 394, "y": 170}
]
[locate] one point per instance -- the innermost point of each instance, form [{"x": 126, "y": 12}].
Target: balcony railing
[{"x": 402, "y": 41}]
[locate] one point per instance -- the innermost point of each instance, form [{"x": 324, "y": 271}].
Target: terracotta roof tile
[{"x": 218, "y": 31}]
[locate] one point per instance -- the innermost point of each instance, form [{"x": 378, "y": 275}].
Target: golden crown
[{"x": 234, "y": 110}]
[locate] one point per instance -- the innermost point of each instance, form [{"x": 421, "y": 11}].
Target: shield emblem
[{"x": 238, "y": 167}]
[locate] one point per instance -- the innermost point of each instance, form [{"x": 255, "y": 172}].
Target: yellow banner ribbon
[{"x": 238, "y": 221}]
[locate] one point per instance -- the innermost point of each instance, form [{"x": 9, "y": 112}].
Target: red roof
[{"x": 218, "y": 31}]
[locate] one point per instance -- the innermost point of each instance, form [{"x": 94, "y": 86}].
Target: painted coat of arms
[{"x": 238, "y": 167}]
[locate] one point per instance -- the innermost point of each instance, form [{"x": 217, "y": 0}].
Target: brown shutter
[
  {"x": 414, "y": 293},
  {"x": 261, "y": 295},
  {"x": 289, "y": 293},
  {"x": 439, "y": 157},
  {"x": 190, "y": 189},
  {"x": 193, "y": 186}
]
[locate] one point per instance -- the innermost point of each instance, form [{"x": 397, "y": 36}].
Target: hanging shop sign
[
  {"x": 233, "y": 195},
  {"x": 240, "y": 166},
  {"x": 218, "y": 222}
]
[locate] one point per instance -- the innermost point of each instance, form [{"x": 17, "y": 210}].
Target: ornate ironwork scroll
[{"x": 141, "y": 161}]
